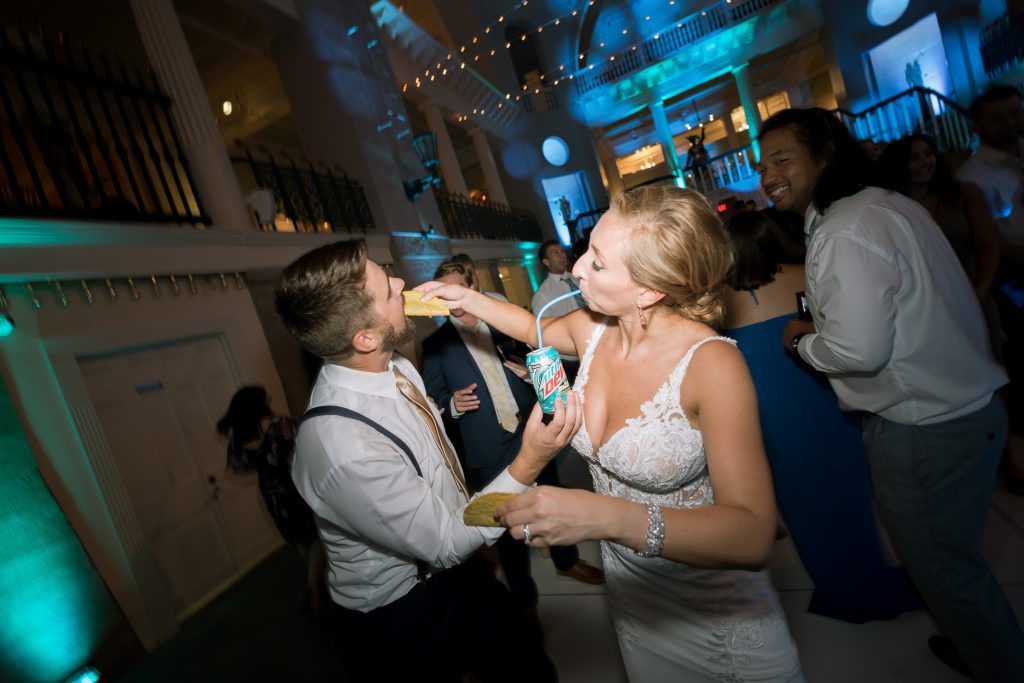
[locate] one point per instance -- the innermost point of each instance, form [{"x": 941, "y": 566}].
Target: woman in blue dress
[{"x": 814, "y": 449}]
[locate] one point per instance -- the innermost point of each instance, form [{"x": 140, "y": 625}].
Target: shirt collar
[
  {"x": 381, "y": 384},
  {"x": 557, "y": 278},
  {"x": 459, "y": 325},
  {"x": 810, "y": 220}
]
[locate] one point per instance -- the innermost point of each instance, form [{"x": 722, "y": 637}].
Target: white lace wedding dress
[{"x": 675, "y": 622}]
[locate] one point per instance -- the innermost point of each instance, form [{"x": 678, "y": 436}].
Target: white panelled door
[{"x": 158, "y": 408}]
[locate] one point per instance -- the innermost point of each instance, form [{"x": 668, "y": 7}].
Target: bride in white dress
[{"x": 683, "y": 504}]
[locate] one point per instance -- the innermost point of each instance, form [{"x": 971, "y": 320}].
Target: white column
[
  {"x": 731, "y": 137},
  {"x": 795, "y": 92},
  {"x": 168, "y": 52},
  {"x": 664, "y": 135},
  {"x": 495, "y": 190},
  {"x": 450, "y": 170},
  {"x": 613, "y": 179},
  {"x": 741, "y": 75}
]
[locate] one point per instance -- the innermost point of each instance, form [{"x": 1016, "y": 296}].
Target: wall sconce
[{"x": 426, "y": 149}]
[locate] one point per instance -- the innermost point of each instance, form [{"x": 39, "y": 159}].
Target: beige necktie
[
  {"x": 494, "y": 378},
  {"x": 412, "y": 393}
]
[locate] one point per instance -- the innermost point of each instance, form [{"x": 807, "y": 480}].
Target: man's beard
[{"x": 393, "y": 339}]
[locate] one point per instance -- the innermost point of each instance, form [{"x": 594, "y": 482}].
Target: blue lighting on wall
[
  {"x": 55, "y": 607},
  {"x": 913, "y": 57},
  {"x": 555, "y": 151},
  {"x": 86, "y": 675},
  {"x": 885, "y": 12}
]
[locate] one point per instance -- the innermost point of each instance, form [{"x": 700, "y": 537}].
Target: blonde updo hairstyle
[{"x": 678, "y": 247}]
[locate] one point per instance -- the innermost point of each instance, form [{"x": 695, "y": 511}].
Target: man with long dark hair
[{"x": 900, "y": 334}]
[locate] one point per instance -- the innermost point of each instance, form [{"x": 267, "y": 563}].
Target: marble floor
[
  {"x": 260, "y": 630},
  {"x": 581, "y": 640}
]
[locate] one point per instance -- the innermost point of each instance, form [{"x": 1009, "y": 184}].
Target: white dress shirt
[
  {"x": 480, "y": 344},
  {"x": 1000, "y": 177},
  {"x": 375, "y": 516},
  {"x": 900, "y": 332},
  {"x": 553, "y": 287}
]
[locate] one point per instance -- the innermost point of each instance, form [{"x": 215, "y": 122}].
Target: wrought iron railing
[
  {"x": 466, "y": 218},
  {"x": 583, "y": 223},
  {"x": 83, "y": 136},
  {"x": 917, "y": 110},
  {"x": 540, "y": 99},
  {"x": 1002, "y": 44},
  {"x": 312, "y": 197},
  {"x": 725, "y": 169},
  {"x": 664, "y": 44}
]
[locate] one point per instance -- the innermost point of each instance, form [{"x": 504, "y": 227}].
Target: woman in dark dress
[
  {"x": 821, "y": 479},
  {"x": 262, "y": 441}
]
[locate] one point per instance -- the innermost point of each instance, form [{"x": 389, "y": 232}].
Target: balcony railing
[
  {"x": 723, "y": 170},
  {"x": 540, "y": 99},
  {"x": 581, "y": 224},
  {"x": 683, "y": 33},
  {"x": 304, "y": 198},
  {"x": 918, "y": 110},
  {"x": 1002, "y": 44},
  {"x": 466, "y": 218},
  {"x": 83, "y": 136}
]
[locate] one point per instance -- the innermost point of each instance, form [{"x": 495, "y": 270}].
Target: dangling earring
[{"x": 643, "y": 318}]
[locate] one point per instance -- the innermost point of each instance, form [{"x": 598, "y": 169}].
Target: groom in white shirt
[{"x": 388, "y": 492}]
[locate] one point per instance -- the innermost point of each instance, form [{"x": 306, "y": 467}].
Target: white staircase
[
  {"x": 918, "y": 110},
  {"x": 454, "y": 84}
]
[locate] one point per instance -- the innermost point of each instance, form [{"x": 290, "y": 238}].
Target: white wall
[{"x": 40, "y": 361}]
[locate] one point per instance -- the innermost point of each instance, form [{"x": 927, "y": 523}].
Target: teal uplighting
[
  {"x": 55, "y": 607},
  {"x": 86, "y": 675},
  {"x": 6, "y": 325},
  {"x": 531, "y": 272}
]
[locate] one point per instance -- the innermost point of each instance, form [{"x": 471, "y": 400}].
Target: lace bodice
[{"x": 657, "y": 456}]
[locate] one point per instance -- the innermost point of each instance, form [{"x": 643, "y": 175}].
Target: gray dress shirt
[{"x": 900, "y": 330}]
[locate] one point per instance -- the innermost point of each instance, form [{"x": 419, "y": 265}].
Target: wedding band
[{"x": 526, "y": 534}]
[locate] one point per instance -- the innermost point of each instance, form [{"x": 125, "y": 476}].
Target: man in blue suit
[{"x": 467, "y": 374}]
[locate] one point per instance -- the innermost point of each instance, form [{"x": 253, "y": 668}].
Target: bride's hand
[
  {"x": 454, "y": 296},
  {"x": 556, "y": 516}
]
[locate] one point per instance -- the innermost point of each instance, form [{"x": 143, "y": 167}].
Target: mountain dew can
[{"x": 548, "y": 377}]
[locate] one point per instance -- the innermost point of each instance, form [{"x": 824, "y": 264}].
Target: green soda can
[{"x": 548, "y": 377}]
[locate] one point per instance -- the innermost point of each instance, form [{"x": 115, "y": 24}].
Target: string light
[{"x": 583, "y": 57}]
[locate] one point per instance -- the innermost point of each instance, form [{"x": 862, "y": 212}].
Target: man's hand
[
  {"x": 438, "y": 408},
  {"x": 518, "y": 369},
  {"x": 464, "y": 400},
  {"x": 956, "y": 157},
  {"x": 795, "y": 327}
]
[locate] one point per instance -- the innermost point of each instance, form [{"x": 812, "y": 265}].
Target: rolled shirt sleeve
[{"x": 854, "y": 285}]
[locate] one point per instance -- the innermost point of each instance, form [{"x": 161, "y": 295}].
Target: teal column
[
  {"x": 741, "y": 75},
  {"x": 668, "y": 148}
]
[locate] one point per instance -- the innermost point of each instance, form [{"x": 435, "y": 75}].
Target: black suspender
[{"x": 422, "y": 568}]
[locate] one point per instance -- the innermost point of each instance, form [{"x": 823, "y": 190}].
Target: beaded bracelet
[{"x": 655, "y": 532}]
